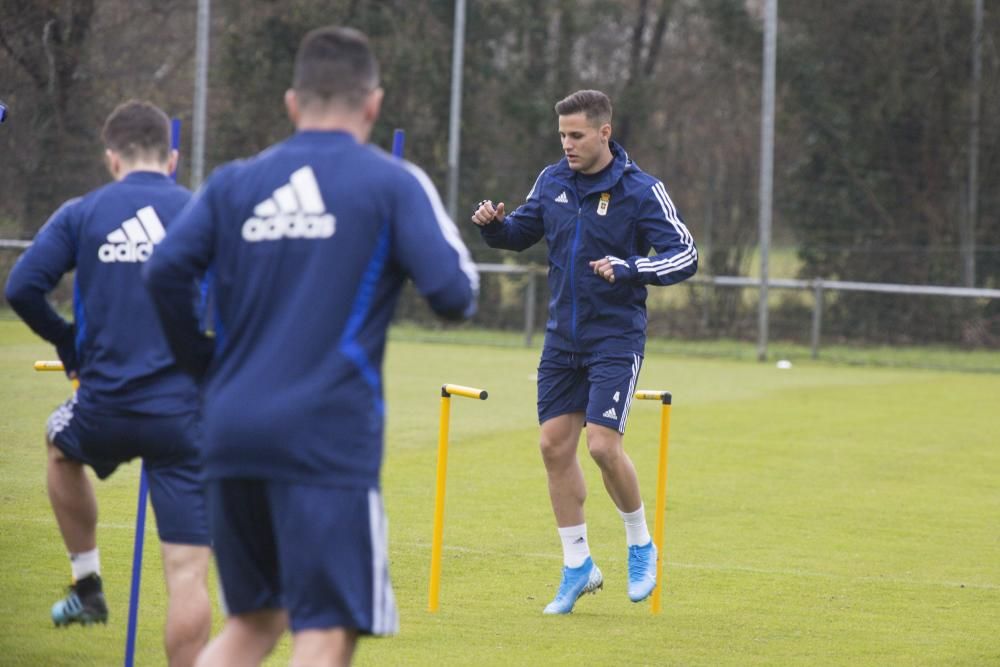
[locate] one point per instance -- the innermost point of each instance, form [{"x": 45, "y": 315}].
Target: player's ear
[
  {"x": 605, "y": 132},
  {"x": 172, "y": 161},
  {"x": 112, "y": 162},
  {"x": 373, "y": 104},
  {"x": 292, "y": 106}
]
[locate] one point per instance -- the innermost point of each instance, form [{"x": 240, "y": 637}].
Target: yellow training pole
[
  {"x": 442, "y": 472},
  {"x": 661, "y": 490},
  {"x": 54, "y": 366},
  {"x": 48, "y": 366}
]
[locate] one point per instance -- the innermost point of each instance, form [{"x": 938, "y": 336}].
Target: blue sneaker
[
  {"x": 575, "y": 582},
  {"x": 641, "y": 571},
  {"x": 84, "y": 604}
]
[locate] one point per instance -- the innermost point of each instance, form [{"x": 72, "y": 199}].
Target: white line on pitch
[
  {"x": 750, "y": 570},
  {"x": 713, "y": 567}
]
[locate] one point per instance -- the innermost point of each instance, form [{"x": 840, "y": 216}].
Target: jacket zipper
[{"x": 572, "y": 275}]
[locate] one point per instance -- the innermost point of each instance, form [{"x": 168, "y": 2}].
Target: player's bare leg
[
  {"x": 189, "y": 611},
  {"x": 75, "y": 507},
  {"x": 73, "y": 501},
  {"x": 567, "y": 490},
  {"x": 617, "y": 469},
  {"x": 560, "y": 437},
  {"x": 622, "y": 483},
  {"x": 245, "y": 640},
  {"x": 330, "y": 648}
]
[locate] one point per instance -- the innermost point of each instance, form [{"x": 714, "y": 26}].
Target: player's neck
[
  {"x": 353, "y": 124},
  {"x": 601, "y": 163},
  {"x": 126, "y": 168}
]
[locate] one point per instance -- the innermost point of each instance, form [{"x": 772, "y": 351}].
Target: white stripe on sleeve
[
  {"x": 446, "y": 224},
  {"x": 668, "y": 264},
  {"x": 670, "y": 213},
  {"x": 535, "y": 186}
]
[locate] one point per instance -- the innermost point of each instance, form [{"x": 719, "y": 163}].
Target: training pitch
[{"x": 817, "y": 515}]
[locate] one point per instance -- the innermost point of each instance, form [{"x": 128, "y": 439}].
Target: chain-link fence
[{"x": 885, "y": 146}]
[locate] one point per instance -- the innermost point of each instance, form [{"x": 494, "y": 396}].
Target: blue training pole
[
  {"x": 398, "y": 139},
  {"x": 140, "y": 513},
  {"x": 133, "y": 600},
  {"x": 175, "y": 144}
]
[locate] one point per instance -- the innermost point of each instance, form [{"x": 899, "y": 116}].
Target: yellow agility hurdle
[
  {"x": 447, "y": 391},
  {"x": 54, "y": 366},
  {"x": 48, "y": 366},
  {"x": 664, "y": 397}
]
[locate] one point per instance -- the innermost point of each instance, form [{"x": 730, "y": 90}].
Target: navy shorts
[
  {"x": 167, "y": 446},
  {"x": 319, "y": 552},
  {"x": 600, "y": 384}
]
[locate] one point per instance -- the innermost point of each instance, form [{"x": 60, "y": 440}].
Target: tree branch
[
  {"x": 635, "y": 58},
  {"x": 656, "y": 42},
  {"x": 50, "y": 55},
  {"x": 25, "y": 64}
]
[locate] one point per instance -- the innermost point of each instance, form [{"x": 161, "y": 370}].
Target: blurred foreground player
[
  {"x": 133, "y": 400},
  {"x": 309, "y": 243}
]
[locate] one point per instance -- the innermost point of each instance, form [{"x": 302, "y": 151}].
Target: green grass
[
  {"x": 823, "y": 515},
  {"x": 930, "y": 357}
]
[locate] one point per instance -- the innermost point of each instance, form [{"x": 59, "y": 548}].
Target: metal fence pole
[
  {"x": 817, "y": 321},
  {"x": 967, "y": 228},
  {"x": 766, "y": 167},
  {"x": 706, "y": 308},
  {"x": 200, "y": 95},
  {"x": 455, "y": 118},
  {"x": 529, "y": 308}
]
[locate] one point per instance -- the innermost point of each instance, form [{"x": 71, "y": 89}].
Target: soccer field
[{"x": 818, "y": 515}]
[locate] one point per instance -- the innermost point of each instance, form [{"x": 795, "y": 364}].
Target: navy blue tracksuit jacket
[
  {"x": 115, "y": 342},
  {"x": 308, "y": 244},
  {"x": 621, "y": 212}
]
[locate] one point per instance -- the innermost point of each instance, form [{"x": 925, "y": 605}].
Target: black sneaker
[{"x": 84, "y": 604}]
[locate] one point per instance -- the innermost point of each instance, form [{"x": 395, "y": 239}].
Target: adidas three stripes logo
[{"x": 134, "y": 240}]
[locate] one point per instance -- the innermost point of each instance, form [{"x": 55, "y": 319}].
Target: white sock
[
  {"x": 87, "y": 562},
  {"x": 575, "y": 546},
  {"x": 636, "y": 531}
]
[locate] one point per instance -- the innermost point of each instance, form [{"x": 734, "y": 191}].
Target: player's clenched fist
[{"x": 487, "y": 213}]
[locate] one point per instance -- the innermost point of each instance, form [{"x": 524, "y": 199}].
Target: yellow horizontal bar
[
  {"x": 48, "y": 366},
  {"x": 468, "y": 392},
  {"x": 653, "y": 395}
]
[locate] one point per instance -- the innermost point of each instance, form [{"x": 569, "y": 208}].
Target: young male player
[
  {"x": 309, "y": 243},
  {"x": 600, "y": 215},
  {"x": 133, "y": 400}
]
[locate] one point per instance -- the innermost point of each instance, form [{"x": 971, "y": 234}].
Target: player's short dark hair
[
  {"x": 138, "y": 129},
  {"x": 593, "y": 103},
  {"x": 335, "y": 64}
]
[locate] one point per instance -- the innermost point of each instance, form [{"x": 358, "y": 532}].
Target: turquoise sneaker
[
  {"x": 84, "y": 604},
  {"x": 575, "y": 582},
  {"x": 641, "y": 571}
]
